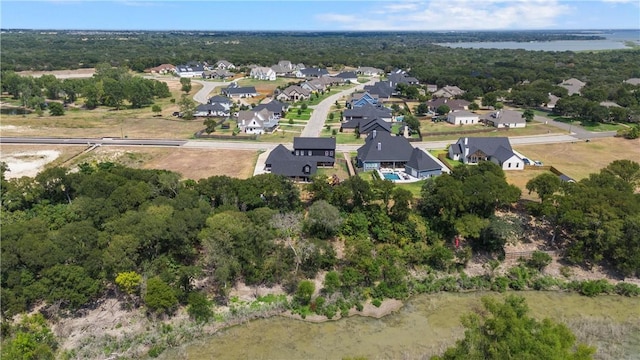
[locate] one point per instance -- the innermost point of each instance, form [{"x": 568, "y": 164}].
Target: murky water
[{"x": 426, "y": 325}]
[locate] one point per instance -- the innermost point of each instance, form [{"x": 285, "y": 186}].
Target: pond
[{"x": 426, "y": 325}]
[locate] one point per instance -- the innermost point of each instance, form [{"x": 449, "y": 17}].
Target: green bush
[
  {"x": 595, "y": 287},
  {"x": 376, "y": 302},
  {"x": 627, "y": 289},
  {"x": 304, "y": 292},
  {"x": 160, "y": 297},
  {"x": 199, "y": 308},
  {"x": 500, "y": 284},
  {"x": 544, "y": 283},
  {"x": 539, "y": 260}
]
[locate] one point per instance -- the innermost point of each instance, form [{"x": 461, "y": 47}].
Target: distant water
[{"x": 614, "y": 40}]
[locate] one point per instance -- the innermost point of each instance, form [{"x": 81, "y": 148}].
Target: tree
[
  {"x": 489, "y": 99},
  {"x": 187, "y": 107},
  {"x": 528, "y": 115},
  {"x": 544, "y": 185},
  {"x": 474, "y": 106},
  {"x": 443, "y": 110},
  {"x": 186, "y": 85},
  {"x": 304, "y": 292},
  {"x": 31, "y": 339},
  {"x": 156, "y": 109},
  {"x": 56, "y": 109},
  {"x": 210, "y": 124},
  {"x": 498, "y": 106},
  {"x": 160, "y": 297},
  {"x": 506, "y": 331},
  {"x": 129, "y": 282},
  {"x": 412, "y": 122},
  {"x": 323, "y": 219}
]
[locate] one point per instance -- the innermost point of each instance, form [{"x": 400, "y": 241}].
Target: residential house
[
  {"x": 263, "y": 73},
  {"x": 219, "y": 99},
  {"x": 462, "y": 117},
  {"x": 401, "y": 78},
  {"x": 495, "y": 149},
  {"x": 215, "y": 109},
  {"x": 161, "y": 69},
  {"x": 282, "y": 162},
  {"x": 365, "y": 126},
  {"x": 422, "y": 165},
  {"x": 348, "y": 76},
  {"x": 311, "y": 73},
  {"x": 225, "y": 65},
  {"x": 191, "y": 69},
  {"x": 217, "y": 74},
  {"x": 383, "y": 150},
  {"x": 293, "y": 93},
  {"x": 361, "y": 99},
  {"x": 321, "y": 149},
  {"x": 257, "y": 122},
  {"x": 313, "y": 86},
  {"x": 432, "y": 88},
  {"x": 382, "y": 89},
  {"x": 551, "y": 103},
  {"x": 573, "y": 85},
  {"x": 234, "y": 90},
  {"x": 505, "y": 119},
  {"x": 276, "y": 107},
  {"x": 448, "y": 92},
  {"x": 453, "y": 104},
  {"x": 369, "y": 71},
  {"x": 366, "y": 112}
]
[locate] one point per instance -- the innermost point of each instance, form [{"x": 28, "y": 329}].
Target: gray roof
[
  {"x": 368, "y": 111},
  {"x": 211, "y": 107},
  {"x": 381, "y": 88},
  {"x": 273, "y": 106},
  {"x": 573, "y": 85},
  {"x": 374, "y": 124},
  {"x": 401, "y": 78},
  {"x": 420, "y": 161},
  {"x": 311, "y": 143},
  {"x": 347, "y": 75},
  {"x": 498, "y": 147},
  {"x": 283, "y": 162},
  {"x": 566, "y": 178},
  {"x": 314, "y": 72},
  {"x": 392, "y": 148},
  {"x": 240, "y": 90},
  {"x": 505, "y": 117},
  {"x": 453, "y": 104},
  {"x": 219, "y": 99}
]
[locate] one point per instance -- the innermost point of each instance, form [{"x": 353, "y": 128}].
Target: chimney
[
  {"x": 466, "y": 141},
  {"x": 466, "y": 147},
  {"x": 379, "y": 146},
  {"x": 374, "y": 134}
]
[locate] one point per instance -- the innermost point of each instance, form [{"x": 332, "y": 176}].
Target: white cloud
[{"x": 457, "y": 15}]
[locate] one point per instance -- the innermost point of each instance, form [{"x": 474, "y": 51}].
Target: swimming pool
[{"x": 391, "y": 176}]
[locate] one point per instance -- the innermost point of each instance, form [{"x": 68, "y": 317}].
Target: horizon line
[{"x": 325, "y": 31}]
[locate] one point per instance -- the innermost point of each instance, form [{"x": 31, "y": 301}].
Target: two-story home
[
  {"x": 278, "y": 108},
  {"x": 191, "y": 69},
  {"x": 321, "y": 149},
  {"x": 257, "y": 122},
  {"x": 472, "y": 150},
  {"x": 381, "y": 149},
  {"x": 263, "y": 73},
  {"x": 224, "y": 65},
  {"x": 302, "y": 163},
  {"x": 293, "y": 93},
  {"x": 361, "y": 99}
]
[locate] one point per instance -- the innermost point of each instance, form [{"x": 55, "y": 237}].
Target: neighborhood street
[{"x": 202, "y": 96}]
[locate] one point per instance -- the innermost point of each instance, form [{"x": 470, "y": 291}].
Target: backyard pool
[{"x": 391, "y": 176}]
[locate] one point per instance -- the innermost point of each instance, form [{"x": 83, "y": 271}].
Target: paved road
[
  {"x": 202, "y": 96},
  {"x": 575, "y": 130},
  {"x": 321, "y": 111},
  {"x": 91, "y": 141}
]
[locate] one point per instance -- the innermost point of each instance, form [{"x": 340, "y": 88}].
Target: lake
[
  {"x": 614, "y": 41},
  {"x": 426, "y": 325}
]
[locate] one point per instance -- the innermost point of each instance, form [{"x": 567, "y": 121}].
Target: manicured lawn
[
  {"x": 293, "y": 114},
  {"x": 343, "y": 138},
  {"x": 280, "y": 136},
  {"x": 598, "y": 127},
  {"x": 449, "y": 162},
  {"x": 366, "y": 175},
  {"x": 316, "y": 100},
  {"x": 414, "y": 187}
]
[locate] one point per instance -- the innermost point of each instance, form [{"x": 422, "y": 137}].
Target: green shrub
[
  {"x": 544, "y": 283},
  {"x": 160, "y": 297},
  {"x": 627, "y": 289},
  {"x": 199, "y": 308},
  {"x": 539, "y": 260},
  {"x": 500, "y": 284},
  {"x": 566, "y": 271},
  {"x": 376, "y": 302},
  {"x": 155, "y": 351},
  {"x": 595, "y": 287},
  {"x": 304, "y": 292}
]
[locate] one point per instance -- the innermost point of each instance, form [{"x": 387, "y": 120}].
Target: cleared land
[
  {"x": 579, "y": 159},
  {"x": 194, "y": 164}
]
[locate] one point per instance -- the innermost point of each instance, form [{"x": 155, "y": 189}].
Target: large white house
[
  {"x": 463, "y": 117},
  {"x": 495, "y": 149},
  {"x": 263, "y": 73}
]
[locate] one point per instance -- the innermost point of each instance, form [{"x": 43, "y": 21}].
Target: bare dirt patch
[
  {"x": 62, "y": 74},
  {"x": 29, "y": 160},
  {"x": 581, "y": 158}
]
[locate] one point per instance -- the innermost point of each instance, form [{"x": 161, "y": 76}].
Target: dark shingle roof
[
  {"x": 279, "y": 153},
  {"x": 368, "y": 111},
  {"x": 347, "y": 75},
  {"x": 498, "y": 147},
  {"x": 273, "y": 106},
  {"x": 219, "y": 99},
  {"x": 311, "y": 143},
  {"x": 369, "y": 125},
  {"x": 392, "y": 148},
  {"x": 295, "y": 167},
  {"x": 420, "y": 161},
  {"x": 240, "y": 90},
  {"x": 314, "y": 72},
  {"x": 382, "y": 89}
]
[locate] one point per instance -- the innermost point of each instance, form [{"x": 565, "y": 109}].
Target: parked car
[
  {"x": 176, "y": 113},
  {"x": 537, "y": 163},
  {"x": 526, "y": 161}
]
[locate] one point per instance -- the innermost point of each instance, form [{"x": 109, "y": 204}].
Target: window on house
[
  {"x": 297, "y": 152},
  {"x": 309, "y": 153},
  {"x": 331, "y": 153},
  {"x": 509, "y": 165}
]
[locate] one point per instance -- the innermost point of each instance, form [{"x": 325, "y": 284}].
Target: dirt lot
[
  {"x": 579, "y": 159},
  {"x": 62, "y": 74},
  {"x": 28, "y": 160}
]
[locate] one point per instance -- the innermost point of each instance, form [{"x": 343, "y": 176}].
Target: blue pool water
[{"x": 391, "y": 176}]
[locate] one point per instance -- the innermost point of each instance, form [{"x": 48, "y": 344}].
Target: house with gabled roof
[
  {"x": 365, "y": 126},
  {"x": 191, "y": 69},
  {"x": 505, "y": 119},
  {"x": 422, "y": 165},
  {"x": 448, "y": 92},
  {"x": 214, "y": 109},
  {"x": 257, "y": 122},
  {"x": 369, "y": 71},
  {"x": 263, "y": 73},
  {"x": 161, "y": 69},
  {"x": 472, "y": 150},
  {"x": 311, "y": 73},
  {"x": 225, "y": 65},
  {"x": 362, "y": 98},
  {"x": 572, "y": 85},
  {"x": 453, "y": 104},
  {"x": 382, "y": 89},
  {"x": 278, "y": 108},
  {"x": 383, "y": 150},
  {"x": 293, "y": 93},
  {"x": 234, "y": 90},
  {"x": 401, "y": 78},
  {"x": 366, "y": 112},
  {"x": 302, "y": 163},
  {"x": 349, "y": 76},
  {"x": 321, "y": 149},
  {"x": 217, "y": 74},
  {"x": 463, "y": 117}
]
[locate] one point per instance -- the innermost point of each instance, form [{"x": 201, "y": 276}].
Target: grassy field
[
  {"x": 520, "y": 179},
  {"x": 579, "y": 159},
  {"x": 343, "y": 138},
  {"x": 449, "y": 162},
  {"x": 587, "y": 125},
  {"x": 304, "y": 114}
]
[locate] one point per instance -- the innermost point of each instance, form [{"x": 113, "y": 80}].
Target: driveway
[
  {"x": 575, "y": 130},
  {"x": 202, "y": 96},
  {"x": 321, "y": 111}
]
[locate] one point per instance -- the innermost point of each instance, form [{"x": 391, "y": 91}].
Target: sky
[{"x": 347, "y": 15}]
